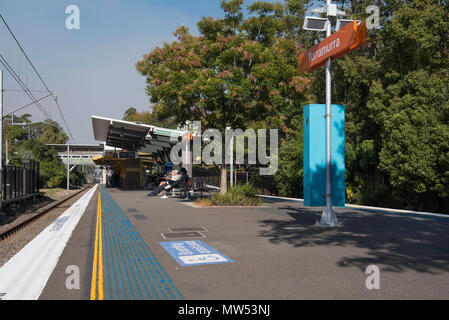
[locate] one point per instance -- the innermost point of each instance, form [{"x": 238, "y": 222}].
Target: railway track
[{"x": 40, "y": 212}]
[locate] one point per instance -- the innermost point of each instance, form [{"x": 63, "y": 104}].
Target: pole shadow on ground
[{"x": 398, "y": 242}]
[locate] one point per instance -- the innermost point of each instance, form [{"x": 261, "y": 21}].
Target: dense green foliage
[
  {"x": 236, "y": 73},
  {"x": 289, "y": 178},
  {"x": 27, "y": 141},
  {"x": 396, "y": 92},
  {"x": 131, "y": 114},
  {"x": 241, "y": 71},
  {"x": 239, "y": 195}
]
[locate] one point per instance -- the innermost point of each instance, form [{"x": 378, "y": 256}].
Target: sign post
[
  {"x": 348, "y": 38},
  {"x": 328, "y": 218},
  {"x": 332, "y": 47}
]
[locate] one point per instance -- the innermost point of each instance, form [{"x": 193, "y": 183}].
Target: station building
[
  {"x": 135, "y": 151},
  {"x": 81, "y": 155}
]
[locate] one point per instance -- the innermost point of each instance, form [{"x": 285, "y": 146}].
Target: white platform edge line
[
  {"x": 355, "y": 206},
  {"x": 24, "y": 276}
]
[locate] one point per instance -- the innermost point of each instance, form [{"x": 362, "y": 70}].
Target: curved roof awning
[
  {"x": 134, "y": 136},
  {"x": 119, "y": 133}
]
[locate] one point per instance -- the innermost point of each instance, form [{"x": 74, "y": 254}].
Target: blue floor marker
[{"x": 194, "y": 252}]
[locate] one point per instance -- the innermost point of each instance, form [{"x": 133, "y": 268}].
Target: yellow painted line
[
  {"x": 93, "y": 287},
  {"x": 98, "y": 257}
]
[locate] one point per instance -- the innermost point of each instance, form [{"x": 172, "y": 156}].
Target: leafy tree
[
  {"x": 396, "y": 90},
  {"x": 129, "y": 113},
  {"x": 241, "y": 71},
  {"x": 146, "y": 117},
  {"x": 50, "y": 132},
  {"x": 52, "y": 170},
  {"x": 289, "y": 177},
  {"x": 28, "y": 142},
  {"x": 237, "y": 71},
  {"x": 132, "y": 115}
]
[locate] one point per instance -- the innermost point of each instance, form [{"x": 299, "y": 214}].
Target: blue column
[{"x": 314, "y": 126}]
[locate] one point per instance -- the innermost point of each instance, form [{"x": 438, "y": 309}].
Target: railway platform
[{"x": 117, "y": 244}]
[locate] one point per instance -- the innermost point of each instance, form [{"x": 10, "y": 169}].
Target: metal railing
[
  {"x": 264, "y": 184},
  {"x": 20, "y": 182}
]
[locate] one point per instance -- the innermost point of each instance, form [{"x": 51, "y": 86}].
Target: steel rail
[{"x": 40, "y": 212}]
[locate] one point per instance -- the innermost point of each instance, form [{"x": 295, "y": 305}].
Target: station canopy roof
[{"x": 134, "y": 136}]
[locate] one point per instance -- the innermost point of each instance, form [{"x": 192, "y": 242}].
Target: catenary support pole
[
  {"x": 1, "y": 136},
  {"x": 231, "y": 147},
  {"x": 68, "y": 169}
]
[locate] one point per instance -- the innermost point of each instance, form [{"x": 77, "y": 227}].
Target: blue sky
[{"x": 91, "y": 69}]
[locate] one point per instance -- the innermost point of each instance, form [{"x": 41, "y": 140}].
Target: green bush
[
  {"x": 55, "y": 181},
  {"x": 239, "y": 195}
]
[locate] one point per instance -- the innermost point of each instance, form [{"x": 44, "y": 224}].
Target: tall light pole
[{"x": 328, "y": 217}]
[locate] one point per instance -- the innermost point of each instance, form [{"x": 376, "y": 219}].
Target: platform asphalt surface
[{"x": 277, "y": 251}]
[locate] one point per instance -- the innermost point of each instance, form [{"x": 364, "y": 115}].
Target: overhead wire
[
  {"x": 39, "y": 76},
  {"x": 22, "y": 85},
  {"x": 27, "y": 105}
]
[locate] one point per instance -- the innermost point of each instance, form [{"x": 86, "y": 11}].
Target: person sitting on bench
[{"x": 171, "y": 183}]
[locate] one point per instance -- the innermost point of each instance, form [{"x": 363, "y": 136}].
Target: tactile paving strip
[{"x": 131, "y": 271}]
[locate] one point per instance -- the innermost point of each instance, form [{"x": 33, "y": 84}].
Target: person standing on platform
[{"x": 109, "y": 178}]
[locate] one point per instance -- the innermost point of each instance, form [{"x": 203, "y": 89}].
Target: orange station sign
[{"x": 348, "y": 38}]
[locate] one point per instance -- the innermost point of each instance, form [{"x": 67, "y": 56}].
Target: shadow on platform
[{"x": 396, "y": 242}]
